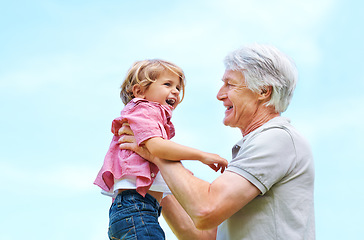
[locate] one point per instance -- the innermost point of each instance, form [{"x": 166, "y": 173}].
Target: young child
[{"x": 150, "y": 91}]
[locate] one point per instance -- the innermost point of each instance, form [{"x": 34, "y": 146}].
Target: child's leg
[{"x": 134, "y": 217}]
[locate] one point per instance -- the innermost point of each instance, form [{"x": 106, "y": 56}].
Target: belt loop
[{"x": 119, "y": 199}]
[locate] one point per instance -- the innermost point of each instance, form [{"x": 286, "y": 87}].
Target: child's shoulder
[{"x": 140, "y": 104}]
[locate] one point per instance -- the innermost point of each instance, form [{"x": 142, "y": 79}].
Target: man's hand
[{"x": 128, "y": 141}]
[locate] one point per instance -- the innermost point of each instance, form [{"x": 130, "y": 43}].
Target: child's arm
[{"x": 166, "y": 149}]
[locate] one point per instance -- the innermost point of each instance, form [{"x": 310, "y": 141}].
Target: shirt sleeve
[
  {"x": 266, "y": 158},
  {"x": 145, "y": 121}
]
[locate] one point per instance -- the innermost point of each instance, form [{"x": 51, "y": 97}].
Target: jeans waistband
[{"x": 133, "y": 194}]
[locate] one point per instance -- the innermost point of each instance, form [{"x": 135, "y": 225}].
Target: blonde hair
[{"x": 145, "y": 73}]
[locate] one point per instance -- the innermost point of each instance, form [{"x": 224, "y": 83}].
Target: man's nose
[{"x": 221, "y": 94}]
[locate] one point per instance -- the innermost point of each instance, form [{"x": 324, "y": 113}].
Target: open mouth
[{"x": 171, "y": 102}]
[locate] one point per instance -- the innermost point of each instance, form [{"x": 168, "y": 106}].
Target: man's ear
[
  {"x": 138, "y": 91},
  {"x": 265, "y": 92}
]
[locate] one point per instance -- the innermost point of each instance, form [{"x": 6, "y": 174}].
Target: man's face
[{"x": 241, "y": 103}]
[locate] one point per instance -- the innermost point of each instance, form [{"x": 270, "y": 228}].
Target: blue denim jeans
[{"x": 132, "y": 216}]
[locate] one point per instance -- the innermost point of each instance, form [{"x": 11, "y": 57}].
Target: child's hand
[{"x": 214, "y": 161}]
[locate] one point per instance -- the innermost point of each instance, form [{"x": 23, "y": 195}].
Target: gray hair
[{"x": 263, "y": 66}]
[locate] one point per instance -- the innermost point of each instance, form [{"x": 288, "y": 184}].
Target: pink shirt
[{"x": 147, "y": 120}]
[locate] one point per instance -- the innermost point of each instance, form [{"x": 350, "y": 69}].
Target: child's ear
[{"x": 138, "y": 91}]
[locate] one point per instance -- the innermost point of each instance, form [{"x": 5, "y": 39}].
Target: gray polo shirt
[{"x": 278, "y": 161}]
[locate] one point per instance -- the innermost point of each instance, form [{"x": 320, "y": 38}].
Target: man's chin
[{"x": 226, "y": 123}]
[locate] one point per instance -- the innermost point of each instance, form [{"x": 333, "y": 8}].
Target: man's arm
[
  {"x": 207, "y": 204},
  {"x": 181, "y": 224}
]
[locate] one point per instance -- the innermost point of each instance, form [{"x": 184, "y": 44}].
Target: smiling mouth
[{"x": 171, "y": 102}]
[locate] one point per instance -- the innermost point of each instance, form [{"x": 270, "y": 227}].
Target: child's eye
[{"x": 167, "y": 84}]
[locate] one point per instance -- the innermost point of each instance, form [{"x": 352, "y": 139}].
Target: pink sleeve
[{"x": 145, "y": 121}]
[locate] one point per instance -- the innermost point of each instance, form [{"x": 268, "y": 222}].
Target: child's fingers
[
  {"x": 224, "y": 162},
  {"x": 214, "y": 167}
]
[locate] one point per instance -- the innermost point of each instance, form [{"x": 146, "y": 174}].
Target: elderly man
[{"x": 266, "y": 191}]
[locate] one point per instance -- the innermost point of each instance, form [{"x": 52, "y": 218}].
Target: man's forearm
[
  {"x": 181, "y": 224},
  {"x": 191, "y": 192}
]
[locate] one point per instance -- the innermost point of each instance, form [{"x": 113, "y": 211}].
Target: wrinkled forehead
[{"x": 233, "y": 76}]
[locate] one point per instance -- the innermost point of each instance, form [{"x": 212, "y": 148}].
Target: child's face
[{"x": 165, "y": 90}]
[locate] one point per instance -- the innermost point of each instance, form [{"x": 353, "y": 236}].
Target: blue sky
[{"x": 61, "y": 64}]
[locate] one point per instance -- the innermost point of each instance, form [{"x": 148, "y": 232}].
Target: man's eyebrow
[{"x": 226, "y": 79}]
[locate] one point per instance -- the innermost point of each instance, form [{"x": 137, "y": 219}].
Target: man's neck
[{"x": 259, "y": 119}]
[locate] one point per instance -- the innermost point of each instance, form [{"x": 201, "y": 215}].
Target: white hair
[{"x": 264, "y": 66}]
